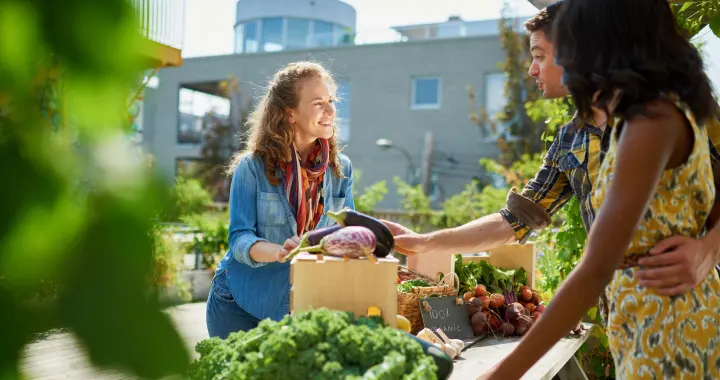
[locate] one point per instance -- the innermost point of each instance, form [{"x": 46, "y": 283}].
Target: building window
[
  {"x": 283, "y": 33},
  {"x": 342, "y": 107},
  {"x": 250, "y": 36},
  {"x": 495, "y": 102},
  {"x": 189, "y": 129},
  {"x": 298, "y": 33},
  {"x": 193, "y": 107},
  {"x": 272, "y": 34},
  {"x": 239, "y": 39},
  {"x": 322, "y": 34},
  {"x": 426, "y": 92},
  {"x": 343, "y": 36}
]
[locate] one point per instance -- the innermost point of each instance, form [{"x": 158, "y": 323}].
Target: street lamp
[{"x": 386, "y": 144}]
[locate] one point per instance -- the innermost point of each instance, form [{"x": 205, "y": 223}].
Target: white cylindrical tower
[{"x": 274, "y": 25}]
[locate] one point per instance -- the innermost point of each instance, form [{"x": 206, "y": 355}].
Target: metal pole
[{"x": 411, "y": 165}]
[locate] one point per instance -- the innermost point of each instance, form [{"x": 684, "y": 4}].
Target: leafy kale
[{"x": 318, "y": 344}]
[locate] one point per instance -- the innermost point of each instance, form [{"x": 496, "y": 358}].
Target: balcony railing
[{"x": 162, "y": 21}]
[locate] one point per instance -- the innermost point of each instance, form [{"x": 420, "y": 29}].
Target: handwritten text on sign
[{"x": 445, "y": 313}]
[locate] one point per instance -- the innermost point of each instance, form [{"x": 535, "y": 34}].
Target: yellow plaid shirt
[{"x": 571, "y": 168}]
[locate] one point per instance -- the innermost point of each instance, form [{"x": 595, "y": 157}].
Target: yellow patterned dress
[{"x": 653, "y": 336}]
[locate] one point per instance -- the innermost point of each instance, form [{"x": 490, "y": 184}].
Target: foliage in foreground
[
  {"x": 79, "y": 203},
  {"x": 318, "y": 344}
]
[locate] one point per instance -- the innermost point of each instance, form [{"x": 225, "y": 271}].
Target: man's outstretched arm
[{"x": 542, "y": 196}]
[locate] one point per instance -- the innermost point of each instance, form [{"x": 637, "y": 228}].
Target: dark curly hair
[
  {"x": 543, "y": 20},
  {"x": 633, "y": 47}
]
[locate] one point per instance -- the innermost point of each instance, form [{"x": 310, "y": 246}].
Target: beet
[
  {"x": 496, "y": 300},
  {"x": 485, "y": 300},
  {"x": 480, "y": 290},
  {"x": 514, "y": 311},
  {"x": 467, "y": 296},
  {"x": 474, "y": 305},
  {"x": 530, "y": 308},
  {"x": 525, "y": 293},
  {"x": 479, "y": 323},
  {"x": 494, "y": 322},
  {"x": 536, "y": 298},
  {"x": 507, "y": 329},
  {"x": 522, "y": 325},
  {"x": 535, "y": 315}
]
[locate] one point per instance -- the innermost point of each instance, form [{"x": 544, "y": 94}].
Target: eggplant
[
  {"x": 311, "y": 238},
  {"x": 314, "y": 236},
  {"x": 385, "y": 242},
  {"x": 348, "y": 242},
  {"x": 354, "y": 241}
]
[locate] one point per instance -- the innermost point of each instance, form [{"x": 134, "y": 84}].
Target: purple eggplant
[
  {"x": 312, "y": 238},
  {"x": 315, "y": 236},
  {"x": 384, "y": 237},
  {"x": 348, "y": 242},
  {"x": 351, "y": 242}
]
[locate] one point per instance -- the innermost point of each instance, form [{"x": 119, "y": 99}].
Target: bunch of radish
[{"x": 509, "y": 314}]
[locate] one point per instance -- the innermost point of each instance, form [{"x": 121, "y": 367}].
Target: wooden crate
[
  {"x": 509, "y": 256},
  {"x": 352, "y": 285}
]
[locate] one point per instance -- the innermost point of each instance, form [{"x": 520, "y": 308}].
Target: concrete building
[{"x": 396, "y": 91}]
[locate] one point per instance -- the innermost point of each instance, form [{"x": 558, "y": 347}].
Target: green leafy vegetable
[
  {"x": 407, "y": 286},
  {"x": 317, "y": 344},
  {"x": 496, "y": 280}
]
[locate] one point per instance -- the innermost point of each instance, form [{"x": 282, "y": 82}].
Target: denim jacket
[{"x": 259, "y": 211}]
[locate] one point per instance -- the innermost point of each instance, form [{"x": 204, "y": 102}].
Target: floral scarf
[{"x": 304, "y": 185}]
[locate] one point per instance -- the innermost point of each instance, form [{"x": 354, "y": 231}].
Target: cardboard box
[
  {"x": 510, "y": 256},
  {"x": 352, "y": 285}
]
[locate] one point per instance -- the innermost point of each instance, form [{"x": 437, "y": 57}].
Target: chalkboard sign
[{"x": 448, "y": 314}]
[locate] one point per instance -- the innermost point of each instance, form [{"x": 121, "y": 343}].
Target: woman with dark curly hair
[{"x": 629, "y": 58}]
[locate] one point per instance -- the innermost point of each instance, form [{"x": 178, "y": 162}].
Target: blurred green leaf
[
  {"x": 715, "y": 24},
  {"x": 79, "y": 204},
  {"x": 18, "y": 43},
  {"x": 114, "y": 313}
]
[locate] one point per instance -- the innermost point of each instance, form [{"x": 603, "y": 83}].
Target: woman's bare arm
[{"x": 645, "y": 149}]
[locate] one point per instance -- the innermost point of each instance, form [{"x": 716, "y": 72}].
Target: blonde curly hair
[{"x": 270, "y": 135}]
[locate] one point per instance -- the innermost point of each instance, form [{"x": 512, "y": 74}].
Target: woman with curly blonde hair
[{"x": 282, "y": 184}]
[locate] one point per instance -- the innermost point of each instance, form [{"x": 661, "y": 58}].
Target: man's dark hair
[
  {"x": 634, "y": 46},
  {"x": 543, "y": 20}
]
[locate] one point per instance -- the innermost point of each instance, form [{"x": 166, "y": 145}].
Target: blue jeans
[{"x": 223, "y": 314}]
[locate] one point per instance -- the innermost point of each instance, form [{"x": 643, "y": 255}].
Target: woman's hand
[
  {"x": 285, "y": 249},
  {"x": 291, "y": 243},
  {"x": 678, "y": 264}
]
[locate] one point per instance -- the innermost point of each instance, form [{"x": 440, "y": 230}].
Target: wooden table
[{"x": 486, "y": 352}]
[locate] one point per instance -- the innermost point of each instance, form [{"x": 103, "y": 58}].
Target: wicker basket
[{"x": 409, "y": 303}]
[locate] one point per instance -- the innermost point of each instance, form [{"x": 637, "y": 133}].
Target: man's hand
[
  {"x": 678, "y": 264},
  {"x": 407, "y": 241}
]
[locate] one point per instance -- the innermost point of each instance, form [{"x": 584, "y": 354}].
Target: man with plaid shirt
[{"x": 569, "y": 169}]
